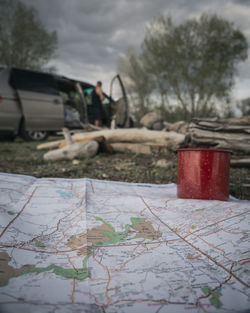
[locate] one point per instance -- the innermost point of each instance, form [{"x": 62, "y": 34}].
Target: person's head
[{"x": 99, "y": 84}]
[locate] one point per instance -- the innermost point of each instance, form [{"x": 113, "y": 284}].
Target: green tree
[
  {"x": 138, "y": 83},
  {"x": 194, "y": 62},
  {"x": 244, "y": 106},
  {"x": 24, "y": 42}
]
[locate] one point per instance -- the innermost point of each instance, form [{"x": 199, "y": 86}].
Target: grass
[{"x": 22, "y": 157}]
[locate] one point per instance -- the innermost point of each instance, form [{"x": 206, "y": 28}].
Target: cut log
[
  {"x": 49, "y": 145},
  {"x": 72, "y": 150},
  {"x": 245, "y": 162},
  {"x": 179, "y": 127},
  {"x": 131, "y": 147},
  {"x": 152, "y": 120},
  {"x": 229, "y": 123},
  {"x": 67, "y": 136},
  {"x": 234, "y": 141},
  {"x": 75, "y": 150},
  {"x": 140, "y": 148},
  {"x": 232, "y": 134},
  {"x": 236, "y": 125},
  {"x": 104, "y": 145},
  {"x": 132, "y": 135},
  {"x": 207, "y": 133}
]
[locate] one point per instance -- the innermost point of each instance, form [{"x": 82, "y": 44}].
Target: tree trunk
[
  {"x": 72, "y": 150},
  {"x": 75, "y": 150},
  {"x": 244, "y": 162},
  {"x": 132, "y": 135},
  {"x": 232, "y": 134},
  {"x": 140, "y": 148}
]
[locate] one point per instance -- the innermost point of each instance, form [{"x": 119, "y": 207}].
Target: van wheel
[{"x": 31, "y": 135}]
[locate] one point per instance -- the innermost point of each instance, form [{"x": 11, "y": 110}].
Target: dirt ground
[{"x": 22, "y": 157}]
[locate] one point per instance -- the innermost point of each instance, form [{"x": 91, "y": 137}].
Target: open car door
[
  {"x": 120, "y": 107},
  {"x": 41, "y": 103}
]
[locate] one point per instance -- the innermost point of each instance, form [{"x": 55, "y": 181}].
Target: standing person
[{"x": 97, "y": 98}]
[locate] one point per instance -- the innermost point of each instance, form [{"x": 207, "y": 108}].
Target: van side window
[{"x": 33, "y": 81}]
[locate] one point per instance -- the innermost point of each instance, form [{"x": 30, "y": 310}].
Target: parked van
[{"x": 33, "y": 104}]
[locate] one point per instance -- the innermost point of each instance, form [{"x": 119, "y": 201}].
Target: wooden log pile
[
  {"x": 232, "y": 134},
  {"x": 126, "y": 140}
]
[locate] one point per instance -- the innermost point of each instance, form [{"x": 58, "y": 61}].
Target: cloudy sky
[{"x": 93, "y": 33}]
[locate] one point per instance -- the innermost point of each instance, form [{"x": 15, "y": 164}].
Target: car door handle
[{"x": 56, "y": 101}]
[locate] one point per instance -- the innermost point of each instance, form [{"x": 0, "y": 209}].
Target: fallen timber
[
  {"x": 72, "y": 150},
  {"x": 141, "y": 137},
  {"x": 232, "y": 134}
]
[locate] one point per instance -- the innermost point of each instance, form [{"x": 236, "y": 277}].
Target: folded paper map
[{"x": 84, "y": 245}]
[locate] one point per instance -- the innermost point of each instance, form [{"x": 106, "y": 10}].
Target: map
[{"x": 85, "y": 245}]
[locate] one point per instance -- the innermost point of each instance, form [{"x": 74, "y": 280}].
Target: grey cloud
[
  {"x": 244, "y": 2},
  {"x": 93, "y": 33}
]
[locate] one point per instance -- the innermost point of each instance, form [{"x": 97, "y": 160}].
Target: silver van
[{"x": 33, "y": 104}]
